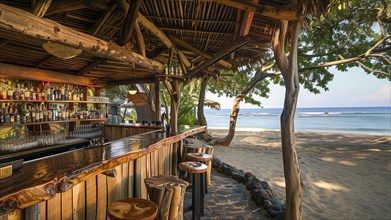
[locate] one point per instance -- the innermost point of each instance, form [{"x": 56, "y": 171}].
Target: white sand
[{"x": 346, "y": 176}]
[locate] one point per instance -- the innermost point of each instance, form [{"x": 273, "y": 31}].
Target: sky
[{"x": 353, "y": 88}]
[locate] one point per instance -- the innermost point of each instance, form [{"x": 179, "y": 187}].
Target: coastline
[{"x": 346, "y": 176}]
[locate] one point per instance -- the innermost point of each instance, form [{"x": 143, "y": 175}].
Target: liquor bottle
[
  {"x": 12, "y": 116},
  {"x": 32, "y": 93},
  {"x": 62, "y": 92},
  {"x": 23, "y": 115},
  {"x": 10, "y": 91},
  {"x": 6, "y": 116},
  {"x": 17, "y": 117},
  {"x": 44, "y": 113},
  {"x": 81, "y": 95},
  {"x": 28, "y": 116},
  {"x": 2, "y": 112},
  {"x": 37, "y": 113},
  {"x": 33, "y": 114},
  {"x": 27, "y": 92},
  {"x": 21, "y": 92},
  {"x": 38, "y": 93},
  {"x": 3, "y": 91},
  {"x": 16, "y": 92},
  {"x": 40, "y": 113},
  {"x": 49, "y": 113},
  {"x": 54, "y": 113}
]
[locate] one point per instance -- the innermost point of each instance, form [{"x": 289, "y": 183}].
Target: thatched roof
[{"x": 206, "y": 25}]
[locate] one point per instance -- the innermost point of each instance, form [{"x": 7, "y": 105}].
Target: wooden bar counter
[
  {"x": 122, "y": 130},
  {"x": 82, "y": 183}
]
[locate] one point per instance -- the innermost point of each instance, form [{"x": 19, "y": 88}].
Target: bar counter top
[{"x": 39, "y": 180}]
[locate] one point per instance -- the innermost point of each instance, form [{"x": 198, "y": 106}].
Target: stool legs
[
  {"x": 196, "y": 196},
  {"x": 203, "y": 191}
]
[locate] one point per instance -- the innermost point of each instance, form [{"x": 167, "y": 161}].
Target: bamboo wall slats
[
  {"x": 115, "y": 132},
  {"x": 89, "y": 199}
]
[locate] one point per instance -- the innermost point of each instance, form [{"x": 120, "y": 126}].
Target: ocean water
[{"x": 358, "y": 120}]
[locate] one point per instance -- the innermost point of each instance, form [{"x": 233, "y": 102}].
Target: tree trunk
[
  {"x": 289, "y": 69},
  {"x": 226, "y": 141},
  {"x": 201, "y": 99}
]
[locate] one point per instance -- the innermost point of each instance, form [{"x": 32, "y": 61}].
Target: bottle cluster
[
  {"x": 25, "y": 90},
  {"x": 25, "y": 113},
  {"x": 173, "y": 68}
]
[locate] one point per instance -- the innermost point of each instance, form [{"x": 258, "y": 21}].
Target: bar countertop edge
[{"x": 39, "y": 180}]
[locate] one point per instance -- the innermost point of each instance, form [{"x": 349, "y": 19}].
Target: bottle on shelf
[
  {"x": 28, "y": 115},
  {"x": 33, "y": 94},
  {"x": 11, "y": 115},
  {"x": 10, "y": 91},
  {"x": 7, "y": 120},
  {"x": 27, "y": 91},
  {"x": 41, "y": 113},
  {"x": 16, "y": 92}
]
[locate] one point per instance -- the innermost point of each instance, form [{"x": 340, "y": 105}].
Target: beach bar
[{"x": 64, "y": 151}]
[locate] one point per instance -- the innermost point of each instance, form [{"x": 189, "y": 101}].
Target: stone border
[{"x": 260, "y": 191}]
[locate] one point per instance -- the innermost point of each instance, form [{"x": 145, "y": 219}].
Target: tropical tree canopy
[{"x": 355, "y": 33}]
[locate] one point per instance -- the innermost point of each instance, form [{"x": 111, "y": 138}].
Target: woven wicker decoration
[{"x": 61, "y": 51}]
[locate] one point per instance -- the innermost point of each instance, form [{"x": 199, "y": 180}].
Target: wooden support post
[
  {"x": 140, "y": 40},
  {"x": 129, "y": 22},
  {"x": 20, "y": 21},
  {"x": 173, "y": 88},
  {"x": 219, "y": 55},
  {"x": 157, "y": 100}
]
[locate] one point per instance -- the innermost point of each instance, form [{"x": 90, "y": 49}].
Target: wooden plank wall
[
  {"x": 89, "y": 199},
  {"x": 117, "y": 132}
]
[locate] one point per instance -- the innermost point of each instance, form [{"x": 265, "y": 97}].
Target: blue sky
[{"x": 353, "y": 88}]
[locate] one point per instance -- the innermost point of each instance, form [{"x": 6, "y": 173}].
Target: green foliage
[
  {"x": 349, "y": 31},
  {"x": 231, "y": 83}
]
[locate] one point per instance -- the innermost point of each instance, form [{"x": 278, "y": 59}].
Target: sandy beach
[{"x": 346, "y": 176}]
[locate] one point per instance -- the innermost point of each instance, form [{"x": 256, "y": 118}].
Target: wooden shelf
[
  {"x": 50, "y": 122},
  {"x": 51, "y": 101}
]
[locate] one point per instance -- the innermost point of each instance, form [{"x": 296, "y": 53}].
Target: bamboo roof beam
[
  {"x": 91, "y": 66},
  {"x": 198, "y": 51},
  {"x": 44, "y": 60},
  {"x": 103, "y": 19},
  {"x": 266, "y": 10},
  {"x": 245, "y": 5},
  {"x": 71, "y": 5},
  {"x": 143, "y": 21},
  {"x": 129, "y": 21},
  {"x": 41, "y": 8},
  {"x": 240, "y": 42},
  {"x": 151, "y": 27},
  {"x": 20, "y": 21}
]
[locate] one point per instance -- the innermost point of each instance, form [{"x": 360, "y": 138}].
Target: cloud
[{"x": 382, "y": 94}]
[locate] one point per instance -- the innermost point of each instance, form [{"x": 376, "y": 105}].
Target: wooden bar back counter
[{"x": 80, "y": 184}]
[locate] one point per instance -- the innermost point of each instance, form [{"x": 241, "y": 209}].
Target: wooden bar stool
[
  {"x": 203, "y": 158},
  {"x": 132, "y": 209},
  {"x": 197, "y": 169}
]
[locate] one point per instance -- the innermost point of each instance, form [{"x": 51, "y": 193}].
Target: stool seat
[
  {"x": 193, "y": 167},
  {"x": 201, "y": 157},
  {"x": 132, "y": 209}
]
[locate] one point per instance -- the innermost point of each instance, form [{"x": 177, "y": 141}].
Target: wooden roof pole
[
  {"x": 41, "y": 8},
  {"x": 129, "y": 21},
  {"x": 23, "y": 22},
  {"x": 265, "y": 10},
  {"x": 240, "y": 42},
  {"x": 151, "y": 27},
  {"x": 198, "y": 51}
]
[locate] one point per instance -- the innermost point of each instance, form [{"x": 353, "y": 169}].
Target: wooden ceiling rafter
[
  {"x": 20, "y": 21},
  {"x": 198, "y": 51},
  {"x": 129, "y": 21},
  {"x": 240, "y": 42}
]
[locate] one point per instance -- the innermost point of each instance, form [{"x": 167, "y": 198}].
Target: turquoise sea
[{"x": 359, "y": 120}]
